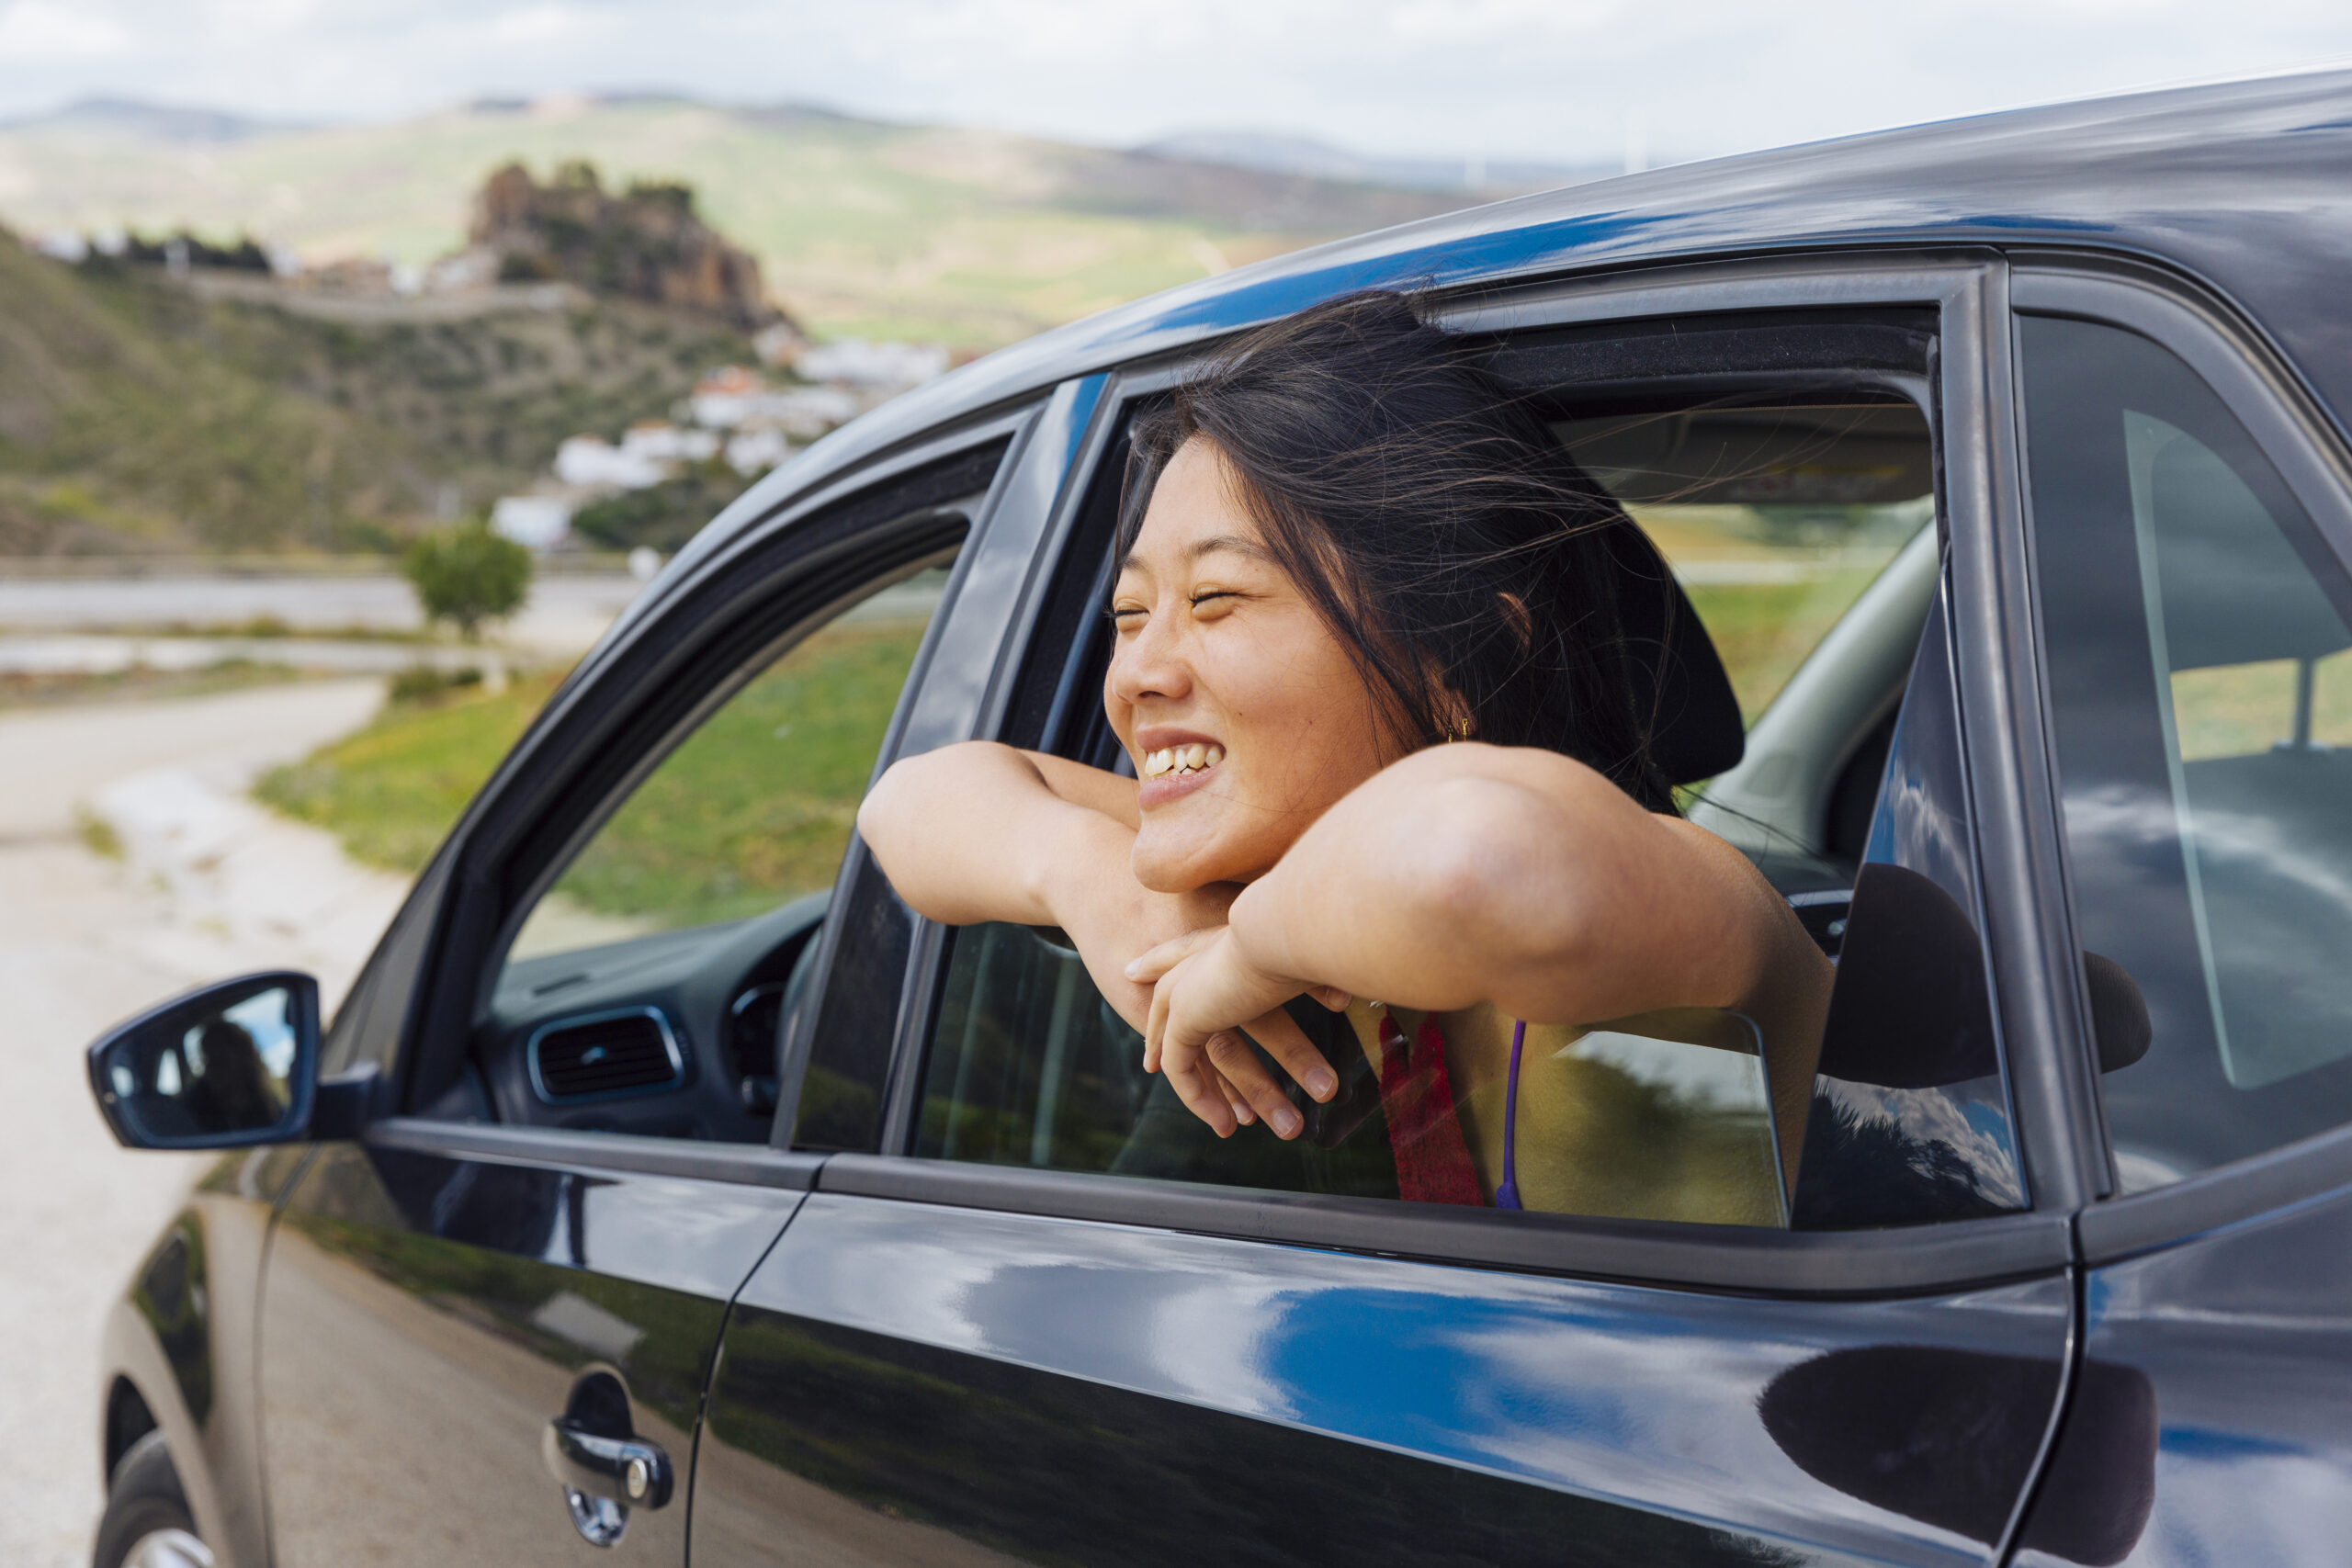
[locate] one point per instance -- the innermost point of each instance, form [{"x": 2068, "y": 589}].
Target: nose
[{"x": 1150, "y": 664}]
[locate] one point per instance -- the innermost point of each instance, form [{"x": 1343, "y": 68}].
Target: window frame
[
  {"x": 639, "y": 693},
  {"x": 1979, "y": 481},
  {"x": 2291, "y": 429},
  {"x": 983, "y": 624}
]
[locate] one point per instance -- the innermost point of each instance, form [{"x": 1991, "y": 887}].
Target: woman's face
[{"x": 1244, "y": 714}]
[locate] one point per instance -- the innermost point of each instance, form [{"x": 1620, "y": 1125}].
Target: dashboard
[{"x": 672, "y": 1036}]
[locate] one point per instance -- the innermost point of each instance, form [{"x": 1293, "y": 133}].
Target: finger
[
  {"x": 1231, "y": 1056},
  {"x": 1334, "y": 999},
  {"x": 1242, "y": 1111},
  {"x": 1155, "y": 1027},
  {"x": 1195, "y": 1083},
  {"x": 1153, "y": 962},
  {"x": 1287, "y": 1043}
]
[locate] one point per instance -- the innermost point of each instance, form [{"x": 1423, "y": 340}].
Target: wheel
[{"x": 147, "y": 1523}]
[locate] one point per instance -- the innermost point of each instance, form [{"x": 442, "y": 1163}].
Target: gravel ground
[{"x": 209, "y": 885}]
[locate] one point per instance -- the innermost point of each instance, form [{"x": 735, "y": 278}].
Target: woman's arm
[
  {"x": 1473, "y": 873},
  {"x": 981, "y": 831}
]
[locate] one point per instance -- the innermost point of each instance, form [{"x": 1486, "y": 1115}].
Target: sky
[{"x": 1553, "y": 80}]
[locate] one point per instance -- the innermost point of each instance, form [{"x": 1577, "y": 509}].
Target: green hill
[
  {"x": 136, "y": 417},
  {"x": 861, "y": 228}
]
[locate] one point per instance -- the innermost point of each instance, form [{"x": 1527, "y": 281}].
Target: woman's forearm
[
  {"x": 965, "y": 833},
  {"x": 980, "y": 832},
  {"x": 1471, "y": 874}
]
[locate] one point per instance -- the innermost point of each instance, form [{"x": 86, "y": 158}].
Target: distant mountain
[
  {"x": 134, "y": 118},
  {"x": 138, "y": 416},
  {"x": 1276, "y": 152},
  {"x": 862, "y": 228}
]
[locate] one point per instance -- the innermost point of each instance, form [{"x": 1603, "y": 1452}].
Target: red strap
[{"x": 1433, "y": 1162}]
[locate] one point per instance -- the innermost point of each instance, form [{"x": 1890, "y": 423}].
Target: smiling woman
[{"x": 1345, "y": 547}]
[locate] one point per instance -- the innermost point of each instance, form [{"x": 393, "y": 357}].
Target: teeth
[{"x": 1190, "y": 758}]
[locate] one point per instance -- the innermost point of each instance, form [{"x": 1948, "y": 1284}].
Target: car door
[
  {"x": 996, "y": 1332},
  {"x": 487, "y": 1325},
  {"x": 2192, "y": 527}
]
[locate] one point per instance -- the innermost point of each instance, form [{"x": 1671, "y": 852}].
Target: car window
[
  {"x": 755, "y": 807},
  {"x": 2200, "y": 675},
  {"x": 1776, "y": 521}
]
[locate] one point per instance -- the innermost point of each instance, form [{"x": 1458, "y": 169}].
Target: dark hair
[{"x": 1447, "y": 539}]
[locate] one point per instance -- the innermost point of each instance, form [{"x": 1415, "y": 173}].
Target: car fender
[{"x": 159, "y": 1337}]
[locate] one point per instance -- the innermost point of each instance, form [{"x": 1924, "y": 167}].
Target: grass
[
  {"x": 754, "y": 808},
  {"x": 1763, "y": 631},
  {"x": 392, "y": 792}
]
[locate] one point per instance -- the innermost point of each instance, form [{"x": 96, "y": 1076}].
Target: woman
[{"x": 1389, "y": 744}]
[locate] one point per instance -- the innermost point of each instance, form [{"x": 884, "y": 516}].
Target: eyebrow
[{"x": 1233, "y": 543}]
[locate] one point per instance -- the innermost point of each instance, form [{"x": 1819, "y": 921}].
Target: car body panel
[
  {"x": 425, "y": 1316},
  {"x": 183, "y": 1338},
  {"x": 1055, "y": 1390},
  {"x": 2219, "y": 1371}
]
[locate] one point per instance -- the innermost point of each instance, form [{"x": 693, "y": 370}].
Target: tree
[{"x": 465, "y": 574}]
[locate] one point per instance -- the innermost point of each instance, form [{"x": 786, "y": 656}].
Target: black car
[{"x": 663, "y": 1186}]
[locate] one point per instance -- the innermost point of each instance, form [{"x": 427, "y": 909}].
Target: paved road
[
  {"x": 565, "y": 614},
  {"x": 85, "y": 941}
]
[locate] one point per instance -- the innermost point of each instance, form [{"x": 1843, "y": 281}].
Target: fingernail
[
  {"x": 1287, "y": 1123},
  {"x": 1133, "y": 965},
  {"x": 1320, "y": 1083}
]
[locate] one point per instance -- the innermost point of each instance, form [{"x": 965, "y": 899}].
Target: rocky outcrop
[{"x": 647, "y": 242}]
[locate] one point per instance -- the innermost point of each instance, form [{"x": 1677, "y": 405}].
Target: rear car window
[{"x": 2200, "y": 671}]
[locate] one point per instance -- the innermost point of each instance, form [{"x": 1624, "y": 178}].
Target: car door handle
[{"x": 627, "y": 1471}]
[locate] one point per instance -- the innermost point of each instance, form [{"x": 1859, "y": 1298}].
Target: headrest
[{"x": 1681, "y": 690}]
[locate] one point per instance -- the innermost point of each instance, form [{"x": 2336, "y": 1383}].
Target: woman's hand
[{"x": 1205, "y": 995}]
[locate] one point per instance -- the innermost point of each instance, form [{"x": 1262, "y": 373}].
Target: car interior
[{"x": 1780, "y": 477}]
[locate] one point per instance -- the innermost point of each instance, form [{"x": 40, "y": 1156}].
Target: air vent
[{"x": 627, "y": 1052}]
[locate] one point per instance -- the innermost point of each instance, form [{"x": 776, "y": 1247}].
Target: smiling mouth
[{"x": 1175, "y": 760}]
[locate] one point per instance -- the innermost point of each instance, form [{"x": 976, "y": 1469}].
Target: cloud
[
  {"x": 1559, "y": 80},
  {"x": 38, "y": 30}
]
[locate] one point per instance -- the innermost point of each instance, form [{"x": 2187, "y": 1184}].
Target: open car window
[{"x": 1796, "y": 531}]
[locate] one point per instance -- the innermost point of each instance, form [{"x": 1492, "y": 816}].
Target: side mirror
[{"x": 222, "y": 1066}]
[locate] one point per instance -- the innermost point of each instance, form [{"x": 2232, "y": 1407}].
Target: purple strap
[{"x": 1507, "y": 1195}]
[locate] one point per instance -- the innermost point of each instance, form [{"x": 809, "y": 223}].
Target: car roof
[{"x": 2240, "y": 184}]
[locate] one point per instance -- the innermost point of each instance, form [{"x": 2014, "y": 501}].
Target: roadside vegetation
[
  {"x": 391, "y": 791},
  {"x": 755, "y": 808},
  {"x": 466, "y": 575}
]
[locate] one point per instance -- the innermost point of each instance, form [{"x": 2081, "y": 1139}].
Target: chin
[{"x": 1181, "y": 868}]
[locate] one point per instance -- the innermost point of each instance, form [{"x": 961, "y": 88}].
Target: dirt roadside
[{"x": 208, "y": 885}]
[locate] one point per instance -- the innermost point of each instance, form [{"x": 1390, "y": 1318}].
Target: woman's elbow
[{"x": 1471, "y": 856}]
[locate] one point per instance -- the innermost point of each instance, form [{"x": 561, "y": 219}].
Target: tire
[{"x": 147, "y": 1523}]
